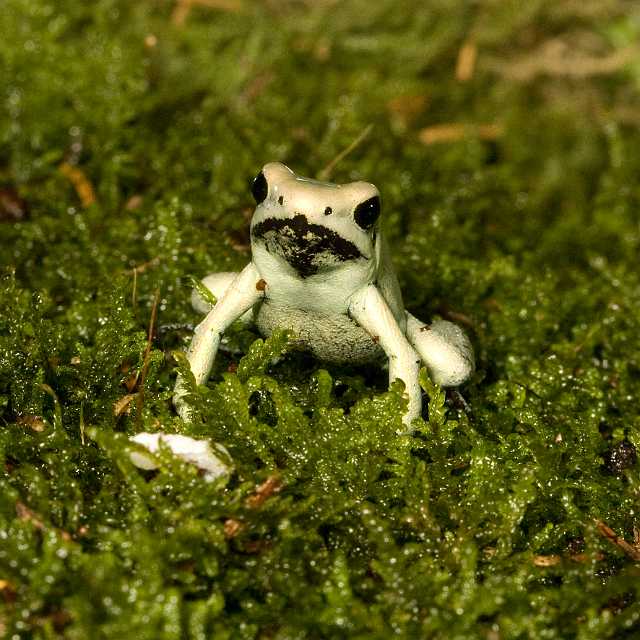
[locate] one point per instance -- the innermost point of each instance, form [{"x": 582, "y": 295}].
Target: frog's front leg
[
  {"x": 369, "y": 309},
  {"x": 243, "y": 292},
  {"x": 444, "y": 349},
  {"x": 218, "y": 283}
]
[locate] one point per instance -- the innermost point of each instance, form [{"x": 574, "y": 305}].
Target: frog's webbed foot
[{"x": 444, "y": 349}]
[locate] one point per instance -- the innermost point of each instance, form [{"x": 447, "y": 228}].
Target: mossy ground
[{"x": 484, "y": 523}]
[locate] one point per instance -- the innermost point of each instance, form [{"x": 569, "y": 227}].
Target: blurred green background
[{"x": 504, "y": 139}]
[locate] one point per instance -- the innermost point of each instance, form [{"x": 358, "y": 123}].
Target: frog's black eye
[
  {"x": 367, "y": 212},
  {"x": 259, "y": 188}
]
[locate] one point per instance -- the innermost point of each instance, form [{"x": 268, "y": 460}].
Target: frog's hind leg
[
  {"x": 218, "y": 283},
  {"x": 444, "y": 349}
]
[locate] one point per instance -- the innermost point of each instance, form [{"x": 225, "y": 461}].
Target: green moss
[{"x": 532, "y": 240}]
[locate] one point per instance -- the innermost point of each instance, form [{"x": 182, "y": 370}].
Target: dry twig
[
  {"x": 154, "y": 262},
  {"x": 183, "y": 8},
  {"x": 553, "y": 559},
  {"x": 557, "y": 58},
  {"x": 325, "y": 173},
  {"x": 631, "y": 550},
  {"x": 269, "y": 487},
  {"x": 147, "y": 355},
  {"x": 80, "y": 183},
  {"x": 452, "y": 132},
  {"x": 123, "y": 405},
  {"x": 547, "y": 561},
  {"x": 232, "y": 527},
  {"x": 466, "y": 63},
  {"x": 36, "y": 423}
]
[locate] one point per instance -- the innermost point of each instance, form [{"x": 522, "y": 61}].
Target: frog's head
[{"x": 314, "y": 226}]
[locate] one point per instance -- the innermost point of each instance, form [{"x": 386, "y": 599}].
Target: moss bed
[{"x": 504, "y": 137}]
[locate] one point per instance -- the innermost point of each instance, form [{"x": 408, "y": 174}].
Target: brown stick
[
  {"x": 454, "y": 131},
  {"x": 325, "y": 173},
  {"x": 183, "y": 8},
  {"x": 546, "y": 561},
  {"x": 466, "y": 63},
  {"x": 154, "y": 262},
  {"x": 122, "y": 405},
  {"x": 147, "y": 354},
  {"x": 607, "y": 532},
  {"x": 555, "y": 58},
  {"x": 271, "y": 485},
  {"x": 80, "y": 183}
]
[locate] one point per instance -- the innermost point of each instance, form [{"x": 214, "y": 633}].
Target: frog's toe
[{"x": 444, "y": 349}]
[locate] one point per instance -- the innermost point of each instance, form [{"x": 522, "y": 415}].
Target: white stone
[{"x": 197, "y": 452}]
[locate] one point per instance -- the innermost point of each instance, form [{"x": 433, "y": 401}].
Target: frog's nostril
[{"x": 328, "y": 211}]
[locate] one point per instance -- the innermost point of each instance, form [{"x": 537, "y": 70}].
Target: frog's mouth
[{"x": 307, "y": 247}]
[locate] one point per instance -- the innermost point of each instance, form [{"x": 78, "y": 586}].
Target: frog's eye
[
  {"x": 367, "y": 212},
  {"x": 259, "y": 188}
]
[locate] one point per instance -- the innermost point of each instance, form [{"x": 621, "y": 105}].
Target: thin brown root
[
  {"x": 147, "y": 356},
  {"x": 141, "y": 269},
  {"x": 325, "y": 173}
]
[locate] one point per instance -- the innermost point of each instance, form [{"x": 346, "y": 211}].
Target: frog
[{"x": 322, "y": 269}]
